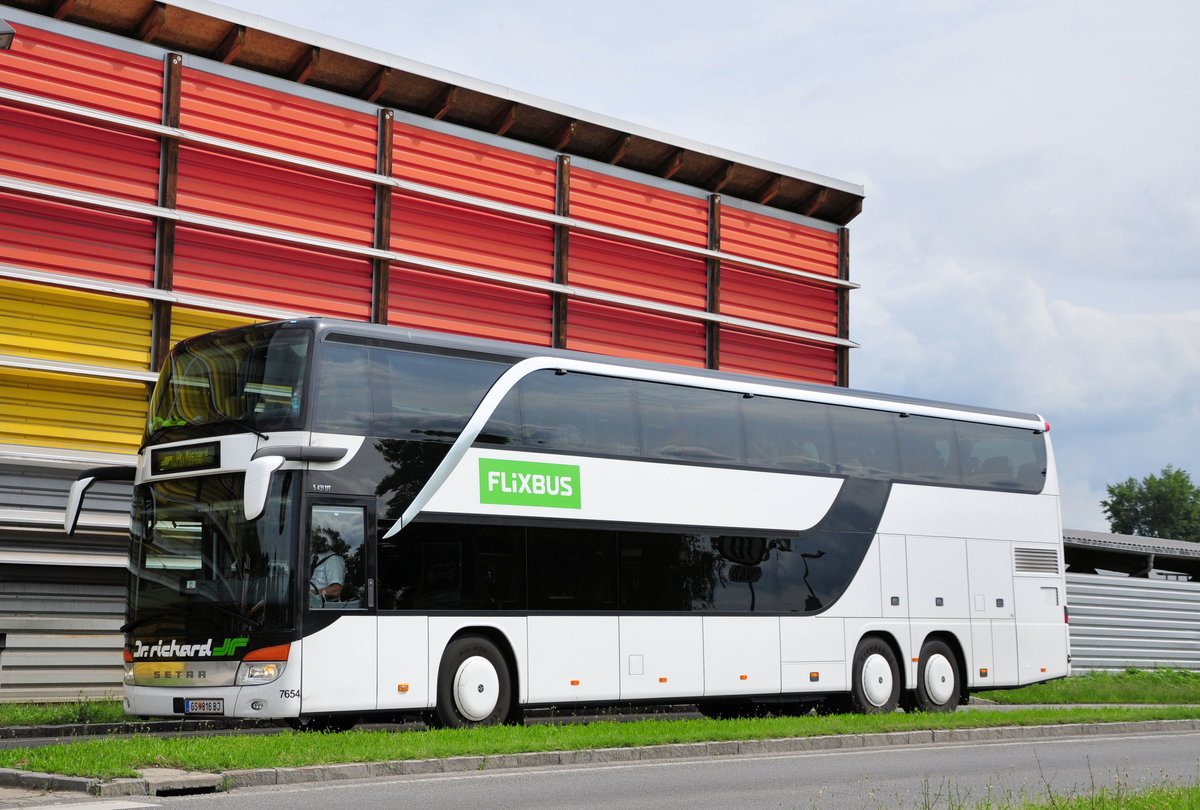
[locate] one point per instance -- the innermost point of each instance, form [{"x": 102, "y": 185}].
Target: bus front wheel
[
  {"x": 939, "y": 688},
  {"x": 876, "y": 685},
  {"x": 474, "y": 687}
]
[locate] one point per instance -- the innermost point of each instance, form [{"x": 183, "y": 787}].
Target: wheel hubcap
[
  {"x": 877, "y": 680},
  {"x": 476, "y": 688},
  {"x": 939, "y": 679}
]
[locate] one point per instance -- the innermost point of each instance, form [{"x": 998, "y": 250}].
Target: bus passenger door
[{"x": 339, "y": 642}]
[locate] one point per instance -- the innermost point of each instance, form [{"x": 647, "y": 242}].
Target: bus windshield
[
  {"x": 232, "y": 381},
  {"x": 199, "y": 568}
]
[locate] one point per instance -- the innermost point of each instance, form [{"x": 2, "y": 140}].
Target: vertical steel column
[
  {"x": 381, "y": 268},
  {"x": 562, "y": 234},
  {"x": 843, "y": 309},
  {"x": 712, "y": 329},
  {"x": 168, "y": 188}
]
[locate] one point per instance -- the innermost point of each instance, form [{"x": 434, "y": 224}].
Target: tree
[{"x": 1165, "y": 505}]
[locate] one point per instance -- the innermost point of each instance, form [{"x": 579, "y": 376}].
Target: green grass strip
[{"x": 109, "y": 758}]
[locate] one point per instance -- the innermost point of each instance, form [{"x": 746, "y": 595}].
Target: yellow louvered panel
[
  {"x": 72, "y": 326},
  {"x": 188, "y": 322},
  {"x": 75, "y": 413}
]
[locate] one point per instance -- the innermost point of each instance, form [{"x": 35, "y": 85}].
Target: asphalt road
[{"x": 930, "y": 775}]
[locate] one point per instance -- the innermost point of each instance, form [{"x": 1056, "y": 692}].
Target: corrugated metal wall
[
  {"x": 147, "y": 196},
  {"x": 1122, "y": 622}
]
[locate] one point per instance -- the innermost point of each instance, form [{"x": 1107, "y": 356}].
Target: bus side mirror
[
  {"x": 83, "y": 483},
  {"x": 258, "y": 484}
]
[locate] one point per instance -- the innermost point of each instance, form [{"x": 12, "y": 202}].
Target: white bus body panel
[
  {"x": 340, "y": 667},
  {"x": 661, "y": 657},
  {"x": 741, "y": 655},
  {"x": 634, "y": 492},
  {"x": 813, "y": 645},
  {"x": 403, "y": 680},
  {"x": 577, "y": 658},
  {"x": 993, "y": 614}
]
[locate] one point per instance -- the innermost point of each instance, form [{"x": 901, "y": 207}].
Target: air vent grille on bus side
[{"x": 1036, "y": 560}]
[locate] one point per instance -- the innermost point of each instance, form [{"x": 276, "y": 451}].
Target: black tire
[
  {"x": 939, "y": 680},
  {"x": 474, "y": 687},
  {"x": 875, "y": 684}
]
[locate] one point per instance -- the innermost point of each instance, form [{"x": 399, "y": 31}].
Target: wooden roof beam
[
  {"x": 62, "y": 8},
  {"x": 445, "y": 101},
  {"x": 152, "y": 22},
  {"x": 671, "y": 166},
  {"x": 306, "y": 65},
  {"x": 721, "y": 177},
  {"x": 377, "y": 86},
  {"x": 563, "y": 136},
  {"x": 232, "y": 45},
  {"x": 503, "y": 122},
  {"x": 616, "y": 151},
  {"x": 769, "y": 190}
]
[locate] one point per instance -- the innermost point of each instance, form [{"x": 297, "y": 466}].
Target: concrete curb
[{"x": 159, "y": 781}]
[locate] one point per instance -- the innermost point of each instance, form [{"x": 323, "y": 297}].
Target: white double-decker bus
[{"x": 333, "y": 520}]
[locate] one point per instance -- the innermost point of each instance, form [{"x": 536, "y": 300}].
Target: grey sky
[{"x": 1031, "y": 233}]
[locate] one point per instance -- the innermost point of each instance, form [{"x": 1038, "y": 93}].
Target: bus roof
[{"x": 324, "y": 327}]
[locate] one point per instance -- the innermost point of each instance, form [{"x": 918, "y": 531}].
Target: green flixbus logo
[{"x": 529, "y": 483}]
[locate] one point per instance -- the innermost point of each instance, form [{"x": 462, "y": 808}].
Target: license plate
[{"x": 204, "y": 706}]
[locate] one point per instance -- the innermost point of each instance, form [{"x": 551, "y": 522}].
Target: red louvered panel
[
  {"x": 276, "y": 275},
  {"x": 248, "y": 113},
  {"x": 465, "y": 306},
  {"x": 75, "y": 155},
  {"x": 777, "y": 241},
  {"x": 605, "y": 329},
  {"x": 274, "y": 196},
  {"x": 776, "y": 356},
  {"x": 479, "y": 239},
  {"x": 444, "y": 161},
  {"x": 638, "y": 271},
  {"x": 77, "y": 72},
  {"x": 778, "y": 299},
  {"x": 51, "y": 236},
  {"x": 640, "y": 208}
]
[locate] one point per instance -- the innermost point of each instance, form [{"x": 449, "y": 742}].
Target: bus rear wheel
[
  {"x": 939, "y": 688},
  {"x": 474, "y": 687},
  {"x": 876, "y": 678}
]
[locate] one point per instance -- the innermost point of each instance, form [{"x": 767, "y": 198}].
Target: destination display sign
[{"x": 192, "y": 457}]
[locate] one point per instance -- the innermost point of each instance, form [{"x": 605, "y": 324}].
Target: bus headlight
[
  {"x": 128, "y": 660},
  {"x": 256, "y": 673},
  {"x": 263, "y": 666}
]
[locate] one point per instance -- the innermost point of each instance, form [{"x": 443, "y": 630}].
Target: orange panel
[
  {"x": 66, "y": 153},
  {"x": 777, "y": 241},
  {"x": 444, "y": 161},
  {"x": 51, "y": 236},
  {"x": 629, "y": 269},
  {"x": 640, "y": 208},
  {"x": 775, "y": 356},
  {"x": 275, "y": 275},
  {"x": 479, "y": 239},
  {"x": 778, "y": 299},
  {"x": 275, "y": 196},
  {"x": 464, "y": 306},
  {"x": 77, "y": 72},
  {"x": 247, "y": 113},
  {"x": 604, "y": 329}
]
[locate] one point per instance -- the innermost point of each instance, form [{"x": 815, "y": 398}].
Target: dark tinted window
[
  {"x": 453, "y": 567},
  {"x": 572, "y": 569},
  {"x": 1001, "y": 457},
  {"x": 393, "y": 393},
  {"x": 343, "y": 395},
  {"x": 865, "y": 442},
  {"x": 579, "y": 412},
  {"x": 693, "y": 424},
  {"x": 786, "y": 434},
  {"x": 928, "y": 449}
]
